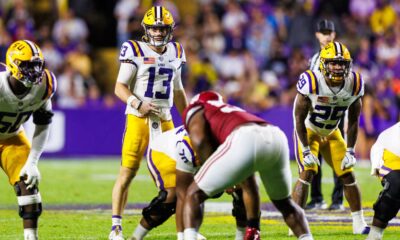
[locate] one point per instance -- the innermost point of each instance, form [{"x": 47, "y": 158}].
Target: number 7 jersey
[
  {"x": 328, "y": 107},
  {"x": 157, "y": 75}
]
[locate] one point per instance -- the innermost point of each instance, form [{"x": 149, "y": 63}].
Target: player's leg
[
  {"x": 230, "y": 164},
  {"x": 337, "y": 193},
  {"x": 387, "y": 205},
  {"x": 14, "y": 154},
  {"x": 135, "y": 141},
  {"x": 336, "y": 144},
  {"x": 239, "y": 212},
  {"x": 276, "y": 177},
  {"x": 251, "y": 205},
  {"x": 162, "y": 169},
  {"x": 301, "y": 188},
  {"x": 317, "y": 199}
]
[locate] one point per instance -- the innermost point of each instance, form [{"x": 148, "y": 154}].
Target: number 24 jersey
[{"x": 328, "y": 107}]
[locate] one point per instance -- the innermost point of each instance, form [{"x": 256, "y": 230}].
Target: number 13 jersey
[
  {"x": 156, "y": 75},
  {"x": 328, "y": 106}
]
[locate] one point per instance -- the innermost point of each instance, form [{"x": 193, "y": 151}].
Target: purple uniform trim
[
  {"x": 309, "y": 82},
  {"x": 316, "y": 83},
  {"x": 191, "y": 151},
  {"x": 160, "y": 181}
]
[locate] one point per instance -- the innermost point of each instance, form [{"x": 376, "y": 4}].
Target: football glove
[
  {"x": 349, "y": 159},
  {"x": 309, "y": 158},
  {"x": 31, "y": 171}
]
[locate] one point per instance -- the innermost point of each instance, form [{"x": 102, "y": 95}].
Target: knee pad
[
  {"x": 238, "y": 210},
  {"x": 388, "y": 203},
  {"x": 158, "y": 212},
  {"x": 29, "y": 204}
]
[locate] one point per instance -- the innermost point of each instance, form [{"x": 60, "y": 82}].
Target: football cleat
[
  {"x": 336, "y": 207},
  {"x": 116, "y": 233},
  {"x": 313, "y": 205},
  {"x": 364, "y": 230},
  {"x": 252, "y": 234}
]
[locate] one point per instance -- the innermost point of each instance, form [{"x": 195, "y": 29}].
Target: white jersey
[
  {"x": 175, "y": 144},
  {"x": 388, "y": 140},
  {"x": 328, "y": 107},
  {"x": 15, "y": 111},
  {"x": 156, "y": 75}
]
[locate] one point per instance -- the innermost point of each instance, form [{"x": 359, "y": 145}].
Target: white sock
[
  {"x": 116, "y": 220},
  {"x": 180, "y": 236},
  {"x": 30, "y": 234},
  {"x": 190, "y": 233},
  {"x": 358, "y": 221},
  {"x": 306, "y": 236},
  {"x": 375, "y": 233},
  {"x": 140, "y": 232},
  {"x": 240, "y": 232}
]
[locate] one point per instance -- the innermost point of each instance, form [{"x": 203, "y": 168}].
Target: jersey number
[
  {"x": 14, "y": 122},
  {"x": 166, "y": 83},
  {"x": 327, "y": 113}
]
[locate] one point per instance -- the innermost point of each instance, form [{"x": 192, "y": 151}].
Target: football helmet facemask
[
  {"x": 335, "y": 62},
  {"x": 158, "y": 19},
  {"x": 25, "y": 61}
]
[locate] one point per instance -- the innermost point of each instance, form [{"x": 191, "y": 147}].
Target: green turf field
[{"x": 77, "y": 201}]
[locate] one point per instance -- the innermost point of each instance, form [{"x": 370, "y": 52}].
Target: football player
[
  {"x": 232, "y": 145},
  {"x": 323, "y": 97},
  {"x": 325, "y": 34},
  {"x": 385, "y": 164},
  {"x": 26, "y": 89},
  {"x": 149, "y": 82}
]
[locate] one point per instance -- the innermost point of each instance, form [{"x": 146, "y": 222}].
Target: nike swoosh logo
[{"x": 171, "y": 60}]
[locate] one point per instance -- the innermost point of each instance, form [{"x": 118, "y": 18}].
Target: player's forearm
[
  {"x": 300, "y": 114},
  {"x": 180, "y": 100},
  {"x": 38, "y": 142},
  {"x": 126, "y": 96},
  {"x": 352, "y": 132}
]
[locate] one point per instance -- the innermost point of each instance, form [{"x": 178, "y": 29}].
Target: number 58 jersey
[
  {"x": 328, "y": 107},
  {"x": 157, "y": 75}
]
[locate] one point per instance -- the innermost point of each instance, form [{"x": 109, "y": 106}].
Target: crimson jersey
[{"x": 222, "y": 117}]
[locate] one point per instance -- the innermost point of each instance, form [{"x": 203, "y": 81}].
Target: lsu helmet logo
[{"x": 25, "y": 61}]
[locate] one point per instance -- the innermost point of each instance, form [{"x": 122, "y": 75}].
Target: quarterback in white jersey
[
  {"x": 385, "y": 161},
  {"x": 322, "y": 99},
  {"x": 26, "y": 88},
  {"x": 149, "y": 82}
]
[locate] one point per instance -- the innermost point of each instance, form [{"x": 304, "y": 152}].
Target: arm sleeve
[
  {"x": 126, "y": 73},
  {"x": 178, "y": 80},
  {"x": 38, "y": 143}
]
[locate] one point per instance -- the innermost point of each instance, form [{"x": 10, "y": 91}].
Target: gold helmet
[
  {"x": 337, "y": 53},
  {"x": 25, "y": 61},
  {"x": 158, "y": 17}
]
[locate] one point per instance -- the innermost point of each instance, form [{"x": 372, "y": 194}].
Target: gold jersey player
[
  {"x": 149, "y": 82},
  {"x": 26, "y": 88},
  {"x": 322, "y": 99}
]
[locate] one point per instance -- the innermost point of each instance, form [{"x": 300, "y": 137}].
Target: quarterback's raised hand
[
  {"x": 31, "y": 172},
  {"x": 349, "y": 159},
  {"x": 309, "y": 158}
]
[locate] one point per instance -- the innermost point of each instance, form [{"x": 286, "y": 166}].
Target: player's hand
[
  {"x": 147, "y": 108},
  {"x": 310, "y": 160},
  {"x": 349, "y": 159},
  {"x": 32, "y": 174}
]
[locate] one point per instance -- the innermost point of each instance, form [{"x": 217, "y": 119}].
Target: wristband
[
  {"x": 350, "y": 150},
  {"x": 130, "y": 100},
  {"x": 139, "y": 105}
]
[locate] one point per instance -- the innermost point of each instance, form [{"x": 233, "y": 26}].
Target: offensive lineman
[
  {"x": 149, "y": 82},
  {"x": 323, "y": 97},
  {"x": 232, "y": 145},
  {"x": 385, "y": 164},
  {"x": 26, "y": 89}
]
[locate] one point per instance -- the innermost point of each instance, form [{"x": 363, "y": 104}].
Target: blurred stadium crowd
[{"x": 252, "y": 51}]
